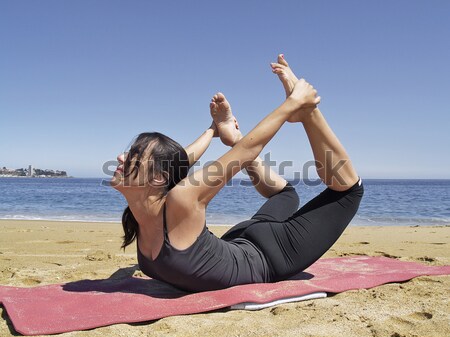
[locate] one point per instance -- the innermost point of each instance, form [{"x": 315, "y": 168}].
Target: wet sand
[{"x": 44, "y": 252}]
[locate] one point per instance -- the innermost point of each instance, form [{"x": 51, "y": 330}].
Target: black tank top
[{"x": 209, "y": 263}]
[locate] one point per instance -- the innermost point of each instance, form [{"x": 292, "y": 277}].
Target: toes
[
  {"x": 220, "y": 96},
  {"x": 277, "y": 68},
  {"x": 277, "y": 65},
  {"x": 236, "y": 124},
  {"x": 282, "y": 61}
]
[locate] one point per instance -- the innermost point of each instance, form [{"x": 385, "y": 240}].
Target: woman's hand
[
  {"x": 303, "y": 95},
  {"x": 302, "y": 101},
  {"x": 214, "y": 128}
]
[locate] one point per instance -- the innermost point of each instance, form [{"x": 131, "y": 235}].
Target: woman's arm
[
  {"x": 201, "y": 186},
  {"x": 199, "y": 146}
]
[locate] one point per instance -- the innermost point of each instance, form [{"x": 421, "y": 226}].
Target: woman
[{"x": 166, "y": 207}]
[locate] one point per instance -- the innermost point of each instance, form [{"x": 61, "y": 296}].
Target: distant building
[{"x": 32, "y": 172}]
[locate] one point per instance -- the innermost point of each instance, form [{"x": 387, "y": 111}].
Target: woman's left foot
[{"x": 225, "y": 121}]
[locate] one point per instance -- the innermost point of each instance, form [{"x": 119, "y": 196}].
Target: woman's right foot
[
  {"x": 285, "y": 74},
  {"x": 288, "y": 79},
  {"x": 225, "y": 121}
]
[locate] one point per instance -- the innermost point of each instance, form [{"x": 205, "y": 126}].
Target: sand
[{"x": 43, "y": 252}]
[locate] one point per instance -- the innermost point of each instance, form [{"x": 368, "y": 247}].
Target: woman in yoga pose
[{"x": 166, "y": 206}]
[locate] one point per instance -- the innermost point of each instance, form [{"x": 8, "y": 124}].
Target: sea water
[{"x": 386, "y": 202}]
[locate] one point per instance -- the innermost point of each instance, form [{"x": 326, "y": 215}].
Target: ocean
[{"x": 386, "y": 202}]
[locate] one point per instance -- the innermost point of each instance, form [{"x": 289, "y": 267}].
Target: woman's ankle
[
  {"x": 311, "y": 116},
  {"x": 238, "y": 137}
]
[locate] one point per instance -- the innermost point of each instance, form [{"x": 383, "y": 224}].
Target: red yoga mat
[{"x": 89, "y": 304}]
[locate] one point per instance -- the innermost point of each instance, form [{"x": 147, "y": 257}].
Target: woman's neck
[{"x": 145, "y": 208}]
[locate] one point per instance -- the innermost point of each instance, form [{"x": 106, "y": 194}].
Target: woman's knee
[
  {"x": 356, "y": 189},
  {"x": 289, "y": 192},
  {"x": 280, "y": 206}
]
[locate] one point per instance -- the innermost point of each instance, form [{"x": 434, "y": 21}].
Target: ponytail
[{"x": 130, "y": 227}]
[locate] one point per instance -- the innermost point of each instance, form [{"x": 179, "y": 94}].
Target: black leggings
[{"x": 292, "y": 239}]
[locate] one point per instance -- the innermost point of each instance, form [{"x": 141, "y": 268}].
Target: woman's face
[
  {"x": 121, "y": 160},
  {"x": 118, "y": 180},
  {"x": 129, "y": 173},
  {"x": 134, "y": 172}
]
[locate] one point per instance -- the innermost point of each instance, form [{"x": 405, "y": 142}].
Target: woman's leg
[
  {"x": 282, "y": 200},
  {"x": 333, "y": 164},
  {"x": 265, "y": 180},
  {"x": 293, "y": 245}
]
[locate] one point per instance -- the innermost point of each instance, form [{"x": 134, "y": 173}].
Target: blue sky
[{"x": 80, "y": 79}]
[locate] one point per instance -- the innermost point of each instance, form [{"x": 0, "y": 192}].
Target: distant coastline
[{"x": 31, "y": 172}]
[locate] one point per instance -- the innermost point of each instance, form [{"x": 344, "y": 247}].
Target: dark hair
[{"x": 166, "y": 158}]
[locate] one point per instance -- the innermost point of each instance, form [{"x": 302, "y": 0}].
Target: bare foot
[
  {"x": 285, "y": 74},
  {"x": 225, "y": 121},
  {"x": 288, "y": 79}
]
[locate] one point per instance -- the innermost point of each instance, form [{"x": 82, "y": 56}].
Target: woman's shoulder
[
  {"x": 184, "y": 219},
  {"x": 183, "y": 197}
]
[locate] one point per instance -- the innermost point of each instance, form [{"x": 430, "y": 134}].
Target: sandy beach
[{"x": 44, "y": 252}]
